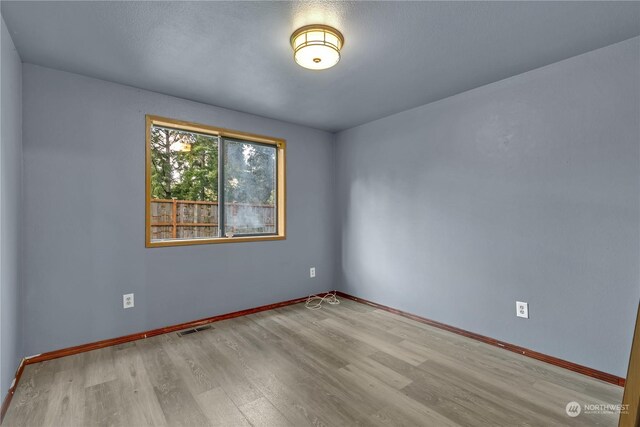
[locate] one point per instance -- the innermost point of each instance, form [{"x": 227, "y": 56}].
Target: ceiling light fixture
[{"x": 317, "y": 47}]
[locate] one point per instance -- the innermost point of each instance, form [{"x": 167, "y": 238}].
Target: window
[{"x": 212, "y": 185}]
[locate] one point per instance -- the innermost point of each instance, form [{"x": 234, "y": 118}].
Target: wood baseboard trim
[
  {"x": 174, "y": 328},
  {"x": 603, "y": 376},
  {"x": 132, "y": 337},
  {"x": 148, "y": 334},
  {"x": 12, "y": 390}
]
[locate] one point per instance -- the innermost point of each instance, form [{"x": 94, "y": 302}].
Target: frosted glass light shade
[{"x": 317, "y": 47}]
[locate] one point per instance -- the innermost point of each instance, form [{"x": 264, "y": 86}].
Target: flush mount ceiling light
[{"x": 317, "y": 47}]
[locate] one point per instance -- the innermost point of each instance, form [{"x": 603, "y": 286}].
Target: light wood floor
[{"x": 340, "y": 366}]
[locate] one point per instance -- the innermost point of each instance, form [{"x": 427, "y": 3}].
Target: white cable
[{"x": 314, "y": 302}]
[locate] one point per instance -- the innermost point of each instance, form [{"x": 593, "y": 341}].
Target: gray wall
[
  {"x": 526, "y": 189},
  {"x": 10, "y": 207},
  {"x": 84, "y": 218}
]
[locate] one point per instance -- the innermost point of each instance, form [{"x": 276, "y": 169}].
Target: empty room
[{"x": 320, "y": 213}]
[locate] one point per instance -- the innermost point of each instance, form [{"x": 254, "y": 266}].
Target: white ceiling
[{"x": 397, "y": 55}]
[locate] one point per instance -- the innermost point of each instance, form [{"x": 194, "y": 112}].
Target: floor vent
[{"x": 194, "y": 330}]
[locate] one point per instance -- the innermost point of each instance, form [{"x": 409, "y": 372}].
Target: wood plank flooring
[{"x": 343, "y": 365}]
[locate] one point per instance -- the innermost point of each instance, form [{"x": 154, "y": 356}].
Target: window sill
[{"x": 164, "y": 243}]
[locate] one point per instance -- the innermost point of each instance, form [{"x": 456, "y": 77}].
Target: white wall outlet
[
  {"x": 312, "y": 272},
  {"x": 522, "y": 309},
  {"x": 127, "y": 301}
]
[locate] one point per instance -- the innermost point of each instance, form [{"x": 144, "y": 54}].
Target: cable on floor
[{"x": 314, "y": 302}]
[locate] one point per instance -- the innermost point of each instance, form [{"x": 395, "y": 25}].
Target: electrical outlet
[
  {"x": 522, "y": 309},
  {"x": 127, "y": 301},
  {"x": 312, "y": 272}
]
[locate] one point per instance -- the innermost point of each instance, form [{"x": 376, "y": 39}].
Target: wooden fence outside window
[{"x": 189, "y": 219}]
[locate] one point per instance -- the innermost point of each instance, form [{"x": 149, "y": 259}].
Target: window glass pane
[
  {"x": 184, "y": 185},
  {"x": 249, "y": 188}
]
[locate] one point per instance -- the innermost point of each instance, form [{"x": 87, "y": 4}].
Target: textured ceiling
[{"x": 397, "y": 55}]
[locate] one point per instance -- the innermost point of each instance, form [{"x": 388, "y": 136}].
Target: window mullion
[
  {"x": 276, "y": 212},
  {"x": 221, "y": 150}
]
